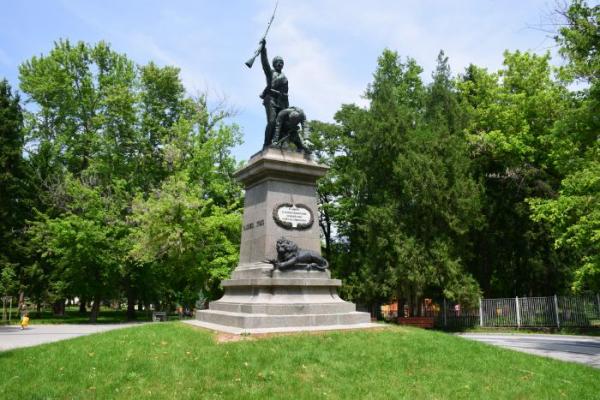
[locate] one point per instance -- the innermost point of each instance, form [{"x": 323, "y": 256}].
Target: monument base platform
[{"x": 282, "y": 302}]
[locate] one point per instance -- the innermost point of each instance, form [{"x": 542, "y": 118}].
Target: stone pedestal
[{"x": 257, "y": 297}]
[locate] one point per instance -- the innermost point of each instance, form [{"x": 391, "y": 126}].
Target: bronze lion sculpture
[{"x": 290, "y": 256}]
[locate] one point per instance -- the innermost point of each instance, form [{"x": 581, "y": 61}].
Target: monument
[{"x": 282, "y": 283}]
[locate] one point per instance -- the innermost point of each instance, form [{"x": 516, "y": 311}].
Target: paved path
[
  {"x": 12, "y": 337},
  {"x": 580, "y": 349}
]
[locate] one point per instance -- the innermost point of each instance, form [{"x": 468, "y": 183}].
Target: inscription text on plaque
[{"x": 293, "y": 216}]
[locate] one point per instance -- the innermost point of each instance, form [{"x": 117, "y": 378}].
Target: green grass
[{"x": 176, "y": 361}]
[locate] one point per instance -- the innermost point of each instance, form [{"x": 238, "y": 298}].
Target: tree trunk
[
  {"x": 58, "y": 308},
  {"x": 416, "y": 306},
  {"x": 82, "y": 309},
  {"x": 95, "y": 309},
  {"x": 147, "y": 309},
  {"x": 38, "y": 309},
  {"x": 399, "y": 300},
  {"x": 130, "y": 305}
]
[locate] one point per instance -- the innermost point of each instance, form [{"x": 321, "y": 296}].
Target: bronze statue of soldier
[{"x": 275, "y": 94}]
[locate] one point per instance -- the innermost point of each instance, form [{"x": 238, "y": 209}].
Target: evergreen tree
[
  {"x": 402, "y": 197},
  {"x": 14, "y": 196}
]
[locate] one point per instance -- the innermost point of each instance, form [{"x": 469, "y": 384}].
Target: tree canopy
[{"x": 119, "y": 151}]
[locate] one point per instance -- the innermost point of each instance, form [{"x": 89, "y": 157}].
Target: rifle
[
  {"x": 279, "y": 142},
  {"x": 257, "y": 52}
]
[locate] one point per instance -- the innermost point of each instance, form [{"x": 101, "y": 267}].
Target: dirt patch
[{"x": 222, "y": 337}]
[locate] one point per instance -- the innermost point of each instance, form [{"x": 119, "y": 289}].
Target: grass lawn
[{"x": 176, "y": 361}]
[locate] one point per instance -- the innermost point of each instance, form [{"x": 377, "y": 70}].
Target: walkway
[
  {"x": 12, "y": 337},
  {"x": 579, "y": 349}
]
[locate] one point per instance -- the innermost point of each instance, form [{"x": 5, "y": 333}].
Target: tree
[
  {"x": 106, "y": 136},
  {"x": 573, "y": 213},
  {"x": 579, "y": 40},
  {"x": 190, "y": 242},
  {"x": 14, "y": 180},
  {"x": 402, "y": 197},
  {"x": 187, "y": 229},
  {"x": 84, "y": 128},
  {"x": 86, "y": 100},
  {"x": 574, "y": 217},
  {"x": 511, "y": 117},
  {"x": 85, "y": 244}
]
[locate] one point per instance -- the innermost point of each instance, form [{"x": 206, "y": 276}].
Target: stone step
[
  {"x": 333, "y": 307},
  {"x": 286, "y": 282},
  {"x": 259, "y": 321}
]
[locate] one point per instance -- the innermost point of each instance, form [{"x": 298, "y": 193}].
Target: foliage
[
  {"x": 511, "y": 116},
  {"x": 14, "y": 198},
  {"x": 408, "y": 206},
  {"x": 574, "y": 217},
  {"x": 579, "y": 39},
  {"x": 8, "y": 280},
  {"x": 185, "y": 237},
  {"x": 108, "y": 136},
  {"x": 574, "y": 213},
  {"x": 85, "y": 244},
  {"x": 399, "y": 188}
]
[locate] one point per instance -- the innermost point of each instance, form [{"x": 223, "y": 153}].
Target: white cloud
[{"x": 315, "y": 81}]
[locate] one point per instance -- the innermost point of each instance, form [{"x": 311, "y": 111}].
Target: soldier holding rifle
[
  {"x": 275, "y": 95},
  {"x": 282, "y": 120}
]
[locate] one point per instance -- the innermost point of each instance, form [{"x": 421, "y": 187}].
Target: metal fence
[
  {"x": 454, "y": 316},
  {"x": 552, "y": 311},
  {"x": 7, "y": 304}
]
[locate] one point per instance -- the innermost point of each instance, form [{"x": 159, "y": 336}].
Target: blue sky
[{"x": 330, "y": 47}]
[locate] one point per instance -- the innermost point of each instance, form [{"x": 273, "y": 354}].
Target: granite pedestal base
[{"x": 280, "y": 300}]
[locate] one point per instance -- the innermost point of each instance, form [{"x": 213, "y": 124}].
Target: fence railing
[
  {"x": 552, "y": 311},
  {"x": 6, "y": 309}
]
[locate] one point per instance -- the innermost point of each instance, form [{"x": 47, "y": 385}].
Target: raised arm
[{"x": 264, "y": 59}]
